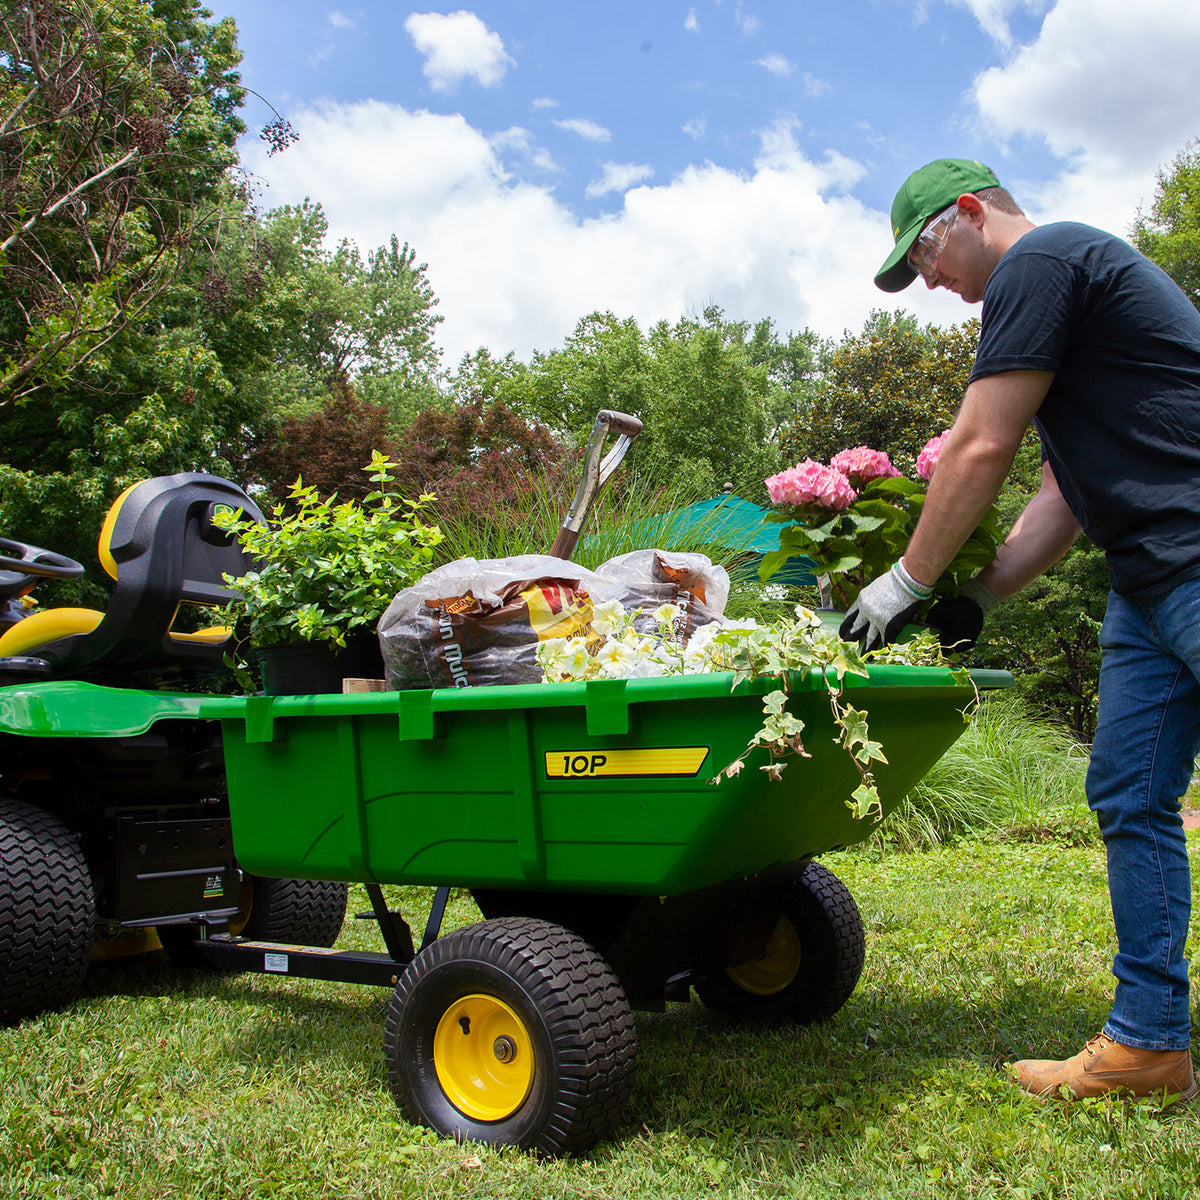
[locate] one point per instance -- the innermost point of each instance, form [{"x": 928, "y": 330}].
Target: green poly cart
[{"x": 612, "y": 872}]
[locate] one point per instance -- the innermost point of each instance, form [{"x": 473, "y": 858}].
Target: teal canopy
[{"x": 736, "y": 531}]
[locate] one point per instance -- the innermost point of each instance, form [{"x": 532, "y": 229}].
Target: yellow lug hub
[
  {"x": 776, "y": 968},
  {"x": 483, "y": 1056}
]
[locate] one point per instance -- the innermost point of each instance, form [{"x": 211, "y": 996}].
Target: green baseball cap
[{"x": 923, "y": 195}]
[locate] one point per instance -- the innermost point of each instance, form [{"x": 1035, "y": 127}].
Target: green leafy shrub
[{"x": 326, "y": 571}]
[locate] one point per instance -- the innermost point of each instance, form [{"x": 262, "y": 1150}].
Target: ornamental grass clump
[
  {"x": 854, "y": 517},
  {"x": 326, "y": 571}
]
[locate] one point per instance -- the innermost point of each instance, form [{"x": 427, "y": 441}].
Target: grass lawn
[{"x": 163, "y": 1083}]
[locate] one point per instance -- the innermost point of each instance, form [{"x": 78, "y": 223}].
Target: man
[{"x": 1101, "y": 351}]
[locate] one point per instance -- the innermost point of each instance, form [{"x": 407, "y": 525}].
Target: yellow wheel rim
[
  {"x": 776, "y": 968},
  {"x": 483, "y": 1057}
]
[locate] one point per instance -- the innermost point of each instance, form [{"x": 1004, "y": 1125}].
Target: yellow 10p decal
[{"x": 596, "y": 764}]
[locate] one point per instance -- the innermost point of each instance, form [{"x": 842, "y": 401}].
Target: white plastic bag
[
  {"x": 698, "y": 587},
  {"x": 475, "y": 622}
]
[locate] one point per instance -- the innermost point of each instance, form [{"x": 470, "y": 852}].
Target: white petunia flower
[{"x": 608, "y": 618}]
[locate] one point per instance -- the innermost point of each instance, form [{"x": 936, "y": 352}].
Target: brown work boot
[{"x": 1107, "y": 1066}]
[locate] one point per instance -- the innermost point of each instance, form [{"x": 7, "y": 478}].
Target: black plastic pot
[{"x": 306, "y": 668}]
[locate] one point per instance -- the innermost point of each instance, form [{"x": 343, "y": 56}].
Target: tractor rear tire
[{"x": 47, "y": 912}]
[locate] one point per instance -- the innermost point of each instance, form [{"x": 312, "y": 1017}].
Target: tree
[
  {"x": 1170, "y": 234},
  {"x": 891, "y": 387},
  {"x": 337, "y": 316},
  {"x": 327, "y": 449},
  {"x": 488, "y": 468},
  {"x": 708, "y": 406},
  {"x": 712, "y": 393},
  {"x": 118, "y": 120}
]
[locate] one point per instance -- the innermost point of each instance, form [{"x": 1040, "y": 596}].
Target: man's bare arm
[
  {"x": 973, "y": 464},
  {"x": 1040, "y": 536}
]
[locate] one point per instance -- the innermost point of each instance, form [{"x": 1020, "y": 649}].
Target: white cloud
[
  {"x": 691, "y": 22},
  {"x": 545, "y": 102},
  {"x": 515, "y": 269},
  {"x": 343, "y": 20},
  {"x": 777, "y": 64},
  {"x": 814, "y": 87},
  {"x": 619, "y": 177},
  {"x": 993, "y": 15},
  {"x": 589, "y": 130},
  {"x": 748, "y": 23},
  {"x": 696, "y": 128},
  {"x": 457, "y": 46},
  {"x": 1111, "y": 90}
]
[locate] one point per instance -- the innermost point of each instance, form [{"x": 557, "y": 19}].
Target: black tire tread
[
  {"x": 47, "y": 912},
  {"x": 584, "y": 1008},
  {"x": 833, "y": 941},
  {"x": 301, "y": 912}
]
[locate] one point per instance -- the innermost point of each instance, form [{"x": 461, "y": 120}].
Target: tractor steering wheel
[{"x": 32, "y": 562}]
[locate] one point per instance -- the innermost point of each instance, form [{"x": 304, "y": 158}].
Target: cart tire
[
  {"x": 300, "y": 912},
  {"x": 47, "y": 912},
  {"x": 303, "y": 912},
  {"x": 814, "y": 956},
  {"x": 515, "y": 1032}
]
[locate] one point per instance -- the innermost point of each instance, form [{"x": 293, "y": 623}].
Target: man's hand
[
  {"x": 883, "y": 608},
  {"x": 959, "y": 619}
]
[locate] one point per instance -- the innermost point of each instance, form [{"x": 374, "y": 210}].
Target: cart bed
[{"x": 602, "y": 786}]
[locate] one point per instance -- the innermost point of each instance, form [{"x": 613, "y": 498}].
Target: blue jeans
[{"x": 1147, "y": 738}]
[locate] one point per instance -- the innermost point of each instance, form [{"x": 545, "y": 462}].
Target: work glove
[
  {"x": 883, "y": 608},
  {"x": 959, "y": 619}
]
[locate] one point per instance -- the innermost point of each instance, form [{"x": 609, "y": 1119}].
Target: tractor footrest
[{"x": 302, "y": 962}]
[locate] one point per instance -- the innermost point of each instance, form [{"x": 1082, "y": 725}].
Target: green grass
[
  {"x": 988, "y": 941},
  {"x": 162, "y": 1083}
]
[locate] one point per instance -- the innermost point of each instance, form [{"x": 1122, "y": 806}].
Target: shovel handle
[{"x": 597, "y": 470}]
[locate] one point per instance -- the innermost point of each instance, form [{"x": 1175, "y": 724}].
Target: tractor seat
[{"x": 158, "y": 542}]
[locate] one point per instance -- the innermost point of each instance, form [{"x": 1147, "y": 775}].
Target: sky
[{"x": 550, "y": 158}]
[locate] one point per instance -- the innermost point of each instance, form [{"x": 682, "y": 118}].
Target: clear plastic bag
[
  {"x": 476, "y": 622},
  {"x": 698, "y": 587}
]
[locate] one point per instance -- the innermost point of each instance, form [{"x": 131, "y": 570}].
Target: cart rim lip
[
  {"x": 698, "y": 686},
  {"x": 74, "y": 708}
]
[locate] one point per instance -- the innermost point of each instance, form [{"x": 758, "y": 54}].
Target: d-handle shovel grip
[{"x": 597, "y": 471}]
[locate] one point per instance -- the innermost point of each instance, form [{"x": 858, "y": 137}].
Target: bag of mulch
[
  {"x": 692, "y": 582},
  {"x": 477, "y": 622}
]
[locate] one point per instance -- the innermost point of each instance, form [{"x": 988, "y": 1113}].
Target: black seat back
[{"x": 160, "y": 545}]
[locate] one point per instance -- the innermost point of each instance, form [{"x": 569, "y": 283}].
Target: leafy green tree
[
  {"x": 1170, "y": 233},
  {"x": 602, "y": 364},
  {"x": 707, "y": 407},
  {"x": 891, "y": 387},
  {"x": 335, "y": 316},
  {"x": 712, "y": 393}
]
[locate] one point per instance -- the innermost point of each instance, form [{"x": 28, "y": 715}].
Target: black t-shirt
[{"x": 1120, "y": 424}]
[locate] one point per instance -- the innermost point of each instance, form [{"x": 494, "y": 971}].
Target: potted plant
[
  {"x": 324, "y": 572},
  {"x": 854, "y": 517}
]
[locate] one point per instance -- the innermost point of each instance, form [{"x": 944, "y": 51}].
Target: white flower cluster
[{"x": 624, "y": 653}]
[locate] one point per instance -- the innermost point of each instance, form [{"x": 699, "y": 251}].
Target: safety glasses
[{"x": 926, "y": 250}]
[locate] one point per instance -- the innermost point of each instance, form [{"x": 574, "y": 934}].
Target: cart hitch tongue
[{"x": 596, "y": 473}]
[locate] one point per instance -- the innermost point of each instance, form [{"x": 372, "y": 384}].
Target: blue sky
[{"x": 550, "y": 159}]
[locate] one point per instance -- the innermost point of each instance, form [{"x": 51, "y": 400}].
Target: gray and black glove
[
  {"x": 959, "y": 619},
  {"x": 883, "y": 608}
]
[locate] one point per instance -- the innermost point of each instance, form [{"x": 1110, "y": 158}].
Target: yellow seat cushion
[{"x": 41, "y": 628}]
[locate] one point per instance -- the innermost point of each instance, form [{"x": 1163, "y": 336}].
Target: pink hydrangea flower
[
  {"x": 928, "y": 458},
  {"x": 863, "y": 464},
  {"x": 812, "y": 483}
]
